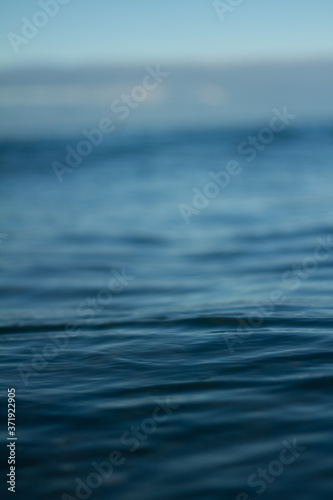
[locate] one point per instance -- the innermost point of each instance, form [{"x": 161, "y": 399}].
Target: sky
[
  {"x": 228, "y": 61},
  {"x": 144, "y": 31}
]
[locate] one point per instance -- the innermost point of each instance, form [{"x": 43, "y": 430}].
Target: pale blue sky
[{"x": 143, "y": 31}]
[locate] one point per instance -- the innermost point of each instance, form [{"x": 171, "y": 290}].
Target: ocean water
[{"x": 158, "y": 358}]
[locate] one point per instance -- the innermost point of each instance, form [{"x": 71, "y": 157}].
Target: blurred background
[
  {"x": 63, "y": 65},
  {"x": 166, "y": 189}
]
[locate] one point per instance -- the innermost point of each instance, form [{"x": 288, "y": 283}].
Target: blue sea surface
[{"x": 158, "y": 358}]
